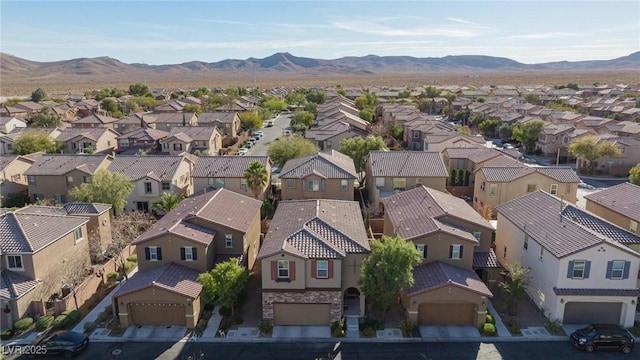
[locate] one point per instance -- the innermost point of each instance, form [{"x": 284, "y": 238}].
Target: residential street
[{"x": 270, "y": 134}]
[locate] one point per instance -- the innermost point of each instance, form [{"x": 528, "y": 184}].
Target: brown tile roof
[
  {"x": 485, "y": 259},
  {"x": 144, "y": 134},
  {"x": 407, "y": 164},
  {"x": 66, "y": 209},
  {"x": 171, "y": 276},
  {"x": 328, "y": 164},
  {"x": 436, "y": 274},
  {"x": 137, "y": 118},
  {"x": 189, "y": 133},
  {"x": 158, "y": 167},
  {"x": 219, "y": 117},
  {"x": 597, "y": 292},
  {"x": 560, "y": 174},
  {"x": 93, "y": 134},
  {"x": 421, "y": 211},
  {"x": 29, "y": 233},
  {"x": 316, "y": 229},
  {"x": 14, "y": 285},
  {"x": 505, "y": 174},
  {"x": 173, "y": 118},
  {"x": 225, "y": 166},
  {"x": 96, "y": 119},
  {"x": 474, "y": 154},
  {"x": 58, "y": 164},
  {"x": 623, "y": 199}
]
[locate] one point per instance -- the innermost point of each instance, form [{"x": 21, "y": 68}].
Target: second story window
[
  {"x": 283, "y": 269},
  {"x": 77, "y": 234},
  {"x": 399, "y": 184},
  {"x": 243, "y": 184},
  {"x": 166, "y": 185},
  {"x": 290, "y": 183},
  {"x": 579, "y": 269},
  {"x": 531, "y": 188},
  {"x": 633, "y": 226},
  {"x": 422, "y": 248},
  {"x": 322, "y": 269},
  {"x": 416, "y": 134},
  {"x": 14, "y": 262},
  {"x": 554, "y": 189},
  {"x": 616, "y": 270},
  {"x": 147, "y": 188},
  {"x": 526, "y": 242},
  {"x": 177, "y": 146},
  {"x": 379, "y": 182},
  {"x": 541, "y": 257},
  {"x": 344, "y": 185},
  {"x": 153, "y": 253},
  {"x": 493, "y": 189},
  {"x": 477, "y": 235},
  {"x": 188, "y": 253},
  {"x": 31, "y": 180},
  {"x": 228, "y": 241},
  {"x": 69, "y": 180},
  {"x": 455, "y": 252},
  {"x": 313, "y": 185}
]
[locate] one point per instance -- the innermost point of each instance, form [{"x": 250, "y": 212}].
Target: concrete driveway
[
  {"x": 449, "y": 332},
  {"x": 301, "y": 332}
]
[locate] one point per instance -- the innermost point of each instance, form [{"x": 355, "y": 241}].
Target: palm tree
[
  {"x": 167, "y": 202},
  {"x": 256, "y": 176}
]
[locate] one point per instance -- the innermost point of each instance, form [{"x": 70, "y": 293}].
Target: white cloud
[
  {"x": 379, "y": 30},
  {"x": 542, "y": 36}
]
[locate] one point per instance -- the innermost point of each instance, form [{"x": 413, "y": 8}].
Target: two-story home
[
  {"x": 325, "y": 175},
  {"x": 88, "y": 140},
  {"x": 618, "y": 165},
  {"x": 169, "y": 120},
  {"x": 227, "y": 122},
  {"x": 8, "y": 124},
  {"x": 189, "y": 240},
  {"x": 192, "y": 138},
  {"x": 141, "y": 139},
  {"x": 52, "y": 175},
  {"x": 457, "y": 259},
  {"x": 311, "y": 260},
  {"x": 228, "y": 172},
  {"x": 461, "y": 162},
  {"x": 581, "y": 270},
  {"x": 330, "y": 135},
  {"x": 134, "y": 122},
  {"x": 152, "y": 176},
  {"x": 390, "y": 172},
  {"x": 95, "y": 121},
  {"x": 7, "y": 142},
  {"x": 619, "y": 205},
  {"x": 40, "y": 252},
  {"x": 12, "y": 178}
]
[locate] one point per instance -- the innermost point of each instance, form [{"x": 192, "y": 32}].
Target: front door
[{"x": 143, "y": 206}]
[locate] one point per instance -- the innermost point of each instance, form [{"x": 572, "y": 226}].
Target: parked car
[
  {"x": 67, "y": 343},
  {"x": 256, "y": 137},
  {"x": 242, "y": 151},
  {"x": 602, "y": 337},
  {"x": 259, "y": 132},
  {"x": 249, "y": 144},
  {"x": 276, "y": 170},
  {"x": 268, "y": 123}
]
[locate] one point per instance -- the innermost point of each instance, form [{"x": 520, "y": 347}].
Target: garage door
[
  {"x": 301, "y": 314},
  {"x": 446, "y": 314},
  {"x": 592, "y": 312},
  {"x": 157, "y": 314}
]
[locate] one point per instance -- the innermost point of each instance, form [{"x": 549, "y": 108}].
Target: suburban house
[
  {"x": 325, "y": 175},
  {"x": 329, "y": 136},
  {"x": 311, "y": 258},
  {"x": 582, "y": 270},
  {"x": 169, "y": 120},
  {"x": 7, "y": 142},
  {"x": 89, "y": 140},
  {"x": 7, "y": 124},
  {"x": 391, "y": 172},
  {"x": 189, "y": 240},
  {"x": 152, "y": 176},
  {"x": 441, "y": 141},
  {"x": 141, "y": 139},
  {"x": 52, "y": 175},
  {"x": 12, "y": 178},
  {"x": 134, "y": 122},
  {"x": 95, "y": 121},
  {"x": 228, "y": 172},
  {"x": 40, "y": 253},
  {"x": 619, "y": 205},
  {"x": 619, "y": 165},
  {"x": 458, "y": 262},
  {"x": 192, "y": 138},
  {"x": 172, "y": 107},
  {"x": 227, "y": 122},
  {"x": 464, "y": 161}
]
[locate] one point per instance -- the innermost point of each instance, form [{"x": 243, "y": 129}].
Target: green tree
[
  {"x": 481, "y": 100},
  {"x": 38, "y": 95},
  {"x": 477, "y": 118},
  {"x": 515, "y": 285},
  {"x": 192, "y": 108},
  {"x": 528, "y": 134},
  {"x": 250, "y": 120},
  {"x": 147, "y": 103},
  {"x": 125, "y": 228},
  {"x": 357, "y": 148},
  {"x": 256, "y": 177},
  {"x": 591, "y": 149},
  {"x": 213, "y": 101},
  {"x": 45, "y": 118},
  {"x": 366, "y": 114},
  {"x": 284, "y": 149},
  {"x": 167, "y": 202},
  {"x": 316, "y": 96},
  {"x": 634, "y": 175},
  {"x": 302, "y": 117},
  {"x": 432, "y": 92},
  {"x": 200, "y": 92},
  {"x": 311, "y": 107},
  {"x": 505, "y": 131},
  {"x": 274, "y": 105},
  {"x": 105, "y": 187},
  {"x": 532, "y": 98},
  {"x": 388, "y": 270},
  {"x": 404, "y": 94},
  {"x": 295, "y": 98},
  {"x": 224, "y": 284},
  {"x": 140, "y": 90},
  {"x": 367, "y": 100},
  {"x": 488, "y": 127},
  {"x": 34, "y": 141},
  {"x": 111, "y": 108}
]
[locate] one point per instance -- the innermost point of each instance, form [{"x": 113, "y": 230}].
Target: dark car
[
  {"x": 602, "y": 337},
  {"x": 67, "y": 343}
]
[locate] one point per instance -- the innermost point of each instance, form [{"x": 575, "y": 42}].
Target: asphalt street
[{"x": 270, "y": 134}]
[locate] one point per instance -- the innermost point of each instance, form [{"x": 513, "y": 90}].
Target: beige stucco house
[
  {"x": 311, "y": 261},
  {"x": 329, "y": 136},
  {"x": 227, "y": 122},
  {"x": 228, "y": 172},
  {"x": 192, "y": 138},
  {"x": 168, "y": 120},
  {"x": 95, "y": 121},
  {"x": 619, "y": 205},
  {"x": 12, "y": 178},
  {"x": 135, "y": 121},
  {"x": 90, "y": 140}
]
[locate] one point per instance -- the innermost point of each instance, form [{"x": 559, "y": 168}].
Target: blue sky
[{"x": 171, "y": 32}]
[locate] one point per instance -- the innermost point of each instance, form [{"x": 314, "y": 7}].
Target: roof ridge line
[{"x": 24, "y": 234}]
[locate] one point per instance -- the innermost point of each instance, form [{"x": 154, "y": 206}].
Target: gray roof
[
  {"x": 509, "y": 173},
  {"x": 221, "y": 117},
  {"x": 561, "y": 174},
  {"x": 623, "y": 199},
  {"x": 407, "y": 164},
  {"x": 485, "y": 259},
  {"x": 92, "y": 133},
  {"x": 58, "y": 164},
  {"x": 29, "y": 233},
  {"x": 137, "y": 118},
  {"x": 329, "y": 165},
  {"x": 14, "y": 285},
  {"x": 144, "y": 134},
  {"x": 475, "y": 154},
  {"x": 66, "y": 209},
  {"x": 96, "y": 119},
  {"x": 171, "y": 276},
  {"x": 225, "y": 166},
  {"x": 438, "y": 274},
  {"x": 134, "y": 167},
  {"x": 5, "y": 160},
  {"x": 421, "y": 211},
  {"x": 316, "y": 229},
  {"x": 173, "y": 118},
  {"x": 597, "y": 292},
  {"x": 565, "y": 232},
  {"x": 190, "y": 133}
]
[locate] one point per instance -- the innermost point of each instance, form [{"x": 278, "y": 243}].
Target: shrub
[
  {"x": 112, "y": 276},
  {"x": 108, "y": 309},
  {"x": 225, "y": 325},
  {"x": 6, "y": 334},
  {"x": 44, "y": 322},
  {"x": 61, "y": 321},
  {"x": 22, "y": 324},
  {"x": 368, "y": 332},
  {"x": 265, "y": 327},
  {"x": 224, "y": 311},
  {"x": 103, "y": 316},
  {"x": 74, "y": 315},
  {"x": 372, "y": 323},
  {"x": 407, "y": 328},
  {"x": 116, "y": 329},
  {"x": 337, "y": 328},
  {"x": 489, "y": 319},
  {"x": 512, "y": 324},
  {"x": 128, "y": 266},
  {"x": 554, "y": 327},
  {"x": 89, "y": 326},
  {"x": 132, "y": 258},
  {"x": 489, "y": 329}
]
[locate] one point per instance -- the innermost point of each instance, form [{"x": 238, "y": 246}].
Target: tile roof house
[
  {"x": 152, "y": 176},
  {"x": 173, "y": 106},
  {"x": 467, "y": 160},
  {"x": 390, "y": 172},
  {"x": 582, "y": 269},
  {"x": 227, "y": 122},
  {"x": 95, "y": 121},
  {"x": 167, "y": 121},
  {"x": 330, "y": 135},
  {"x": 227, "y": 172},
  {"x": 12, "y": 178},
  {"x": 134, "y": 122},
  {"x": 52, "y": 175},
  {"x": 311, "y": 259},
  {"x": 7, "y": 124},
  {"x": 141, "y": 139},
  {"x": 458, "y": 261},
  {"x": 192, "y": 138},
  {"x": 90, "y": 140},
  {"x": 618, "y": 204},
  {"x": 39, "y": 253},
  {"x": 201, "y": 231},
  {"x": 8, "y": 141},
  {"x": 618, "y": 165},
  {"x": 325, "y": 175}
]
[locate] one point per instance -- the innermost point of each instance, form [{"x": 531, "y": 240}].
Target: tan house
[
  {"x": 458, "y": 262},
  {"x": 171, "y": 107},
  {"x": 467, "y": 160},
  {"x": 152, "y": 176},
  {"x": 12, "y": 178},
  {"x": 187, "y": 241},
  {"x": 134, "y": 122},
  {"x": 391, "y": 172},
  {"x": 311, "y": 260},
  {"x": 90, "y": 140},
  {"x": 227, "y": 122},
  {"x": 619, "y": 205},
  {"x": 8, "y": 124},
  {"x": 169, "y": 120},
  {"x": 52, "y": 176},
  {"x": 329, "y": 136},
  {"x": 40, "y": 252},
  {"x": 228, "y": 172},
  {"x": 7, "y": 141},
  {"x": 95, "y": 121},
  {"x": 192, "y": 138},
  {"x": 325, "y": 175},
  {"x": 619, "y": 165},
  {"x": 141, "y": 139}
]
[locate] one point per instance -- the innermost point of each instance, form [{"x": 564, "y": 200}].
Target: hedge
[
  {"x": 112, "y": 276},
  {"x": 61, "y": 321},
  {"x": 489, "y": 329},
  {"x": 74, "y": 315},
  {"x": 44, "y": 322},
  {"x": 23, "y": 324}
]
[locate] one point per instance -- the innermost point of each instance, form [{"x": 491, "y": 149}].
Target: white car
[
  {"x": 259, "y": 133},
  {"x": 269, "y": 123},
  {"x": 242, "y": 151}
]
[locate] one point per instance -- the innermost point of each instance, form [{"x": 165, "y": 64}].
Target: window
[
  {"x": 31, "y": 179},
  {"x": 531, "y": 188},
  {"x": 322, "y": 269},
  {"x": 188, "y": 253},
  {"x": 147, "y": 188},
  {"x": 482, "y": 185},
  {"x": 504, "y": 253},
  {"x": 416, "y": 134},
  {"x": 526, "y": 242},
  {"x": 166, "y": 185},
  {"x": 455, "y": 252},
  {"x": 399, "y": 184},
  {"x": 493, "y": 189},
  {"x": 69, "y": 180},
  {"x": 86, "y": 179},
  {"x": 15, "y": 178},
  {"x": 329, "y": 144},
  {"x": 124, "y": 142},
  {"x": 243, "y": 184},
  {"x": 153, "y": 253},
  {"x": 460, "y": 164},
  {"x": 14, "y": 262},
  {"x": 313, "y": 185},
  {"x": 633, "y": 226},
  {"x": 379, "y": 182},
  {"x": 477, "y": 235},
  {"x": 617, "y": 269},
  {"x": 578, "y": 269},
  {"x": 228, "y": 241},
  {"x": 541, "y": 253},
  {"x": 290, "y": 183},
  {"x": 554, "y": 189},
  {"x": 165, "y": 145},
  {"x": 77, "y": 234},
  {"x": 568, "y": 188},
  {"x": 420, "y": 181},
  {"x": 344, "y": 185},
  {"x": 422, "y": 249},
  {"x": 283, "y": 269},
  {"x": 177, "y": 146}
]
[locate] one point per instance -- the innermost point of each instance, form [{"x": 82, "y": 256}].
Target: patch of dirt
[
  {"x": 251, "y": 308},
  {"x": 528, "y": 314}
]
